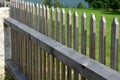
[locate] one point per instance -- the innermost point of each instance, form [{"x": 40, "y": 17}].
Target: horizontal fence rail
[
  {"x": 30, "y": 62},
  {"x": 63, "y": 27}
]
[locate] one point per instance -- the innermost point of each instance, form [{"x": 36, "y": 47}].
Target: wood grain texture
[
  {"x": 69, "y": 38},
  {"x": 87, "y": 67},
  {"x": 63, "y": 40},
  {"x": 102, "y": 43},
  {"x": 114, "y": 44},
  {"x": 76, "y": 76},
  {"x": 92, "y": 36}
]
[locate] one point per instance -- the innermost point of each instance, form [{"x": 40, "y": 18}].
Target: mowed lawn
[{"x": 109, "y": 18}]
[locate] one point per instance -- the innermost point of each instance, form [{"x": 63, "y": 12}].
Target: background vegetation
[{"x": 104, "y": 4}]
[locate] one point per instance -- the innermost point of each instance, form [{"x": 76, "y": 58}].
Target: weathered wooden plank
[
  {"x": 69, "y": 38},
  {"x": 85, "y": 66},
  {"x": 30, "y": 59},
  {"x": 39, "y": 49},
  {"x": 33, "y": 61},
  {"x": 41, "y": 21},
  {"x": 102, "y": 38},
  {"x": 24, "y": 55},
  {"x": 83, "y": 36},
  {"x": 92, "y": 36},
  {"x": 20, "y": 52},
  {"x": 53, "y": 37},
  {"x": 28, "y": 13},
  {"x": 12, "y": 45},
  {"x": 48, "y": 29},
  {"x": 31, "y": 17},
  {"x": 36, "y": 46},
  {"x": 63, "y": 39},
  {"x": 41, "y": 64},
  {"x": 57, "y": 39},
  {"x": 14, "y": 70},
  {"x": 52, "y": 22},
  {"x": 48, "y": 34},
  {"x": 44, "y": 19},
  {"x": 43, "y": 52},
  {"x": 76, "y": 77},
  {"x": 27, "y": 52},
  {"x": 37, "y": 16},
  {"x": 16, "y": 55},
  {"x": 114, "y": 44}
]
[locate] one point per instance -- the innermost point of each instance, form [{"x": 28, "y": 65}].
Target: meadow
[{"x": 109, "y": 15}]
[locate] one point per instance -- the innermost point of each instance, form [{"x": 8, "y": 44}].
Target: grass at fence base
[
  {"x": 109, "y": 18},
  {"x": 6, "y": 76}
]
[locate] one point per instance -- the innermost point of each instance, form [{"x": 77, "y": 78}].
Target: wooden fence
[
  {"x": 2, "y": 3},
  {"x": 40, "y": 57}
]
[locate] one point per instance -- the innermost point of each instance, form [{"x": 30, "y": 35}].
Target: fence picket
[
  {"x": 53, "y": 37},
  {"x": 102, "y": 38},
  {"x": 114, "y": 44},
  {"x": 69, "y": 38},
  {"x": 52, "y": 22},
  {"x": 48, "y": 21},
  {"x": 48, "y": 34},
  {"x": 92, "y": 36},
  {"x": 76, "y": 76},
  {"x": 83, "y": 36},
  {"x": 63, "y": 40},
  {"x": 57, "y": 39}
]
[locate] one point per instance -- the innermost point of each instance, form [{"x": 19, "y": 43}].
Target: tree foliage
[
  {"x": 80, "y": 5},
  {"x": 57, "y": 3},
  {"x": 48, "y": 2},
  {"x": 104, "y": 4}
]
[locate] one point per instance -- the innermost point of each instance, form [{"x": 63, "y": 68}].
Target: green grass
[
  {"x": 109, "y": 18},
  {"x": 6, "y": 76}
]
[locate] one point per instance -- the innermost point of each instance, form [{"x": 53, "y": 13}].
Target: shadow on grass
[
  {"x": 111, "y": 12},
  {"x": 8, "y": 76}
]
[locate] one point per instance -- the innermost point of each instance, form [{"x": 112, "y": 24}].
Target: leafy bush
[{"x": 80, "y": 5}]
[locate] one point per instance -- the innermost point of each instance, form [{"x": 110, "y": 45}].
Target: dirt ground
[{"x": 4, "y": 74}]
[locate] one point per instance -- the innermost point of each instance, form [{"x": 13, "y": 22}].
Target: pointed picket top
[
  {"x": 83, "y": 24},
  {"x": 58, "y": 14},
  {"x": 52, "y": 13},
  {"x": 103, "y": 24},
  {"x": 93, "y": 17},
  {"x": 103, "y": 19},
  {"x": 76, "y": 30},
  {"x": 63, "y": 17},
  {"x": 115, "y": 25},
  {"x": 37, "y": 6},
  {"x": 30, "y": 7},
  {"x": 76, "y": 19},
  {"x": 16, "y": 2},
  {"x": 84, "y": 15},
  {"x": 48, "y": 12},
  {"x": 44, "y": 10},
  {"x": 93, "y": 22},
  {"x": 40, "y": 10},
  {"x": 69, "y": 15}
]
